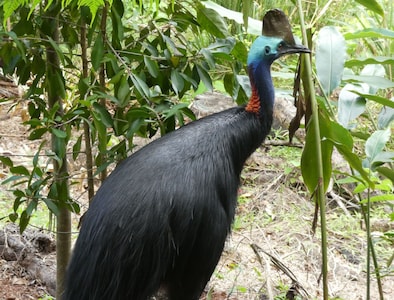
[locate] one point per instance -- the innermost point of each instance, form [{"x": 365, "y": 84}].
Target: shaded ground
[{"x": 274, "y": 214}]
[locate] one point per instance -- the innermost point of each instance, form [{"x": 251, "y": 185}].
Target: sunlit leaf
[
  {"x": 205, "y": 78},
  {"x": 376, "y": 143},
  {"x": 389, "y": 60},
  {"x": 253, "y": 26},
  {"x": 372, "y": 5},
  {"x": 212, "y": 22},
  {"x": 385, "y": 117},
  {"x": 374, "y": 81},
  {"x": 370, "y": 33},
  {"x": 59, "y": 133},
  {"x": 379, "y": 198},
  {"x": 330, "y": 58}
]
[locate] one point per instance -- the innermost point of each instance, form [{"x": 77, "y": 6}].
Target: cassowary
[{"x": 160, "y": 220}]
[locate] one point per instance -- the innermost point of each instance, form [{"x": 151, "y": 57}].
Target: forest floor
[{"x": 272, "y": 249}]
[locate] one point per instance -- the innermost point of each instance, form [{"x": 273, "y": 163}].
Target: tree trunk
[
  {"x": 88, "y": 144},
  {"x": 60, "y": 189}
]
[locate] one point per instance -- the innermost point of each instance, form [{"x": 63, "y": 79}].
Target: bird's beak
[{"x": 289, "y": 49}]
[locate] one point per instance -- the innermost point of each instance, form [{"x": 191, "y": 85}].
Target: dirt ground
[{"x": 272, "y": 250}]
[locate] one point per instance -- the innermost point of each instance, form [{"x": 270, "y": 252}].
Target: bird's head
[
  {"x": 268, "y": 48},
  {"x": 276, "y": 40}
]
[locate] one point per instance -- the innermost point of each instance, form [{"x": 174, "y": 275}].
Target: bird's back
[{"x": 184, "y": 183}]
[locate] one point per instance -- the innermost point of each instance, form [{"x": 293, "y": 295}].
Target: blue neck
[{"x": 262, "y": 87}]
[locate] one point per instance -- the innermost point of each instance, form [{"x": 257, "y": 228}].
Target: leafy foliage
[{"x": 150, "y": 57}]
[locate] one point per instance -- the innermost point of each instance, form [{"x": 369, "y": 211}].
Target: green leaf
[
  {"x": 6, "y": 161},
  {"x": 97, "y": 52},
  {"x": 177, "y": 81},
  {"x": 253, "y": 26},
  {"x": 377, "y": 60},
  {"x": 59, "y": 133},
  {"x": 21, "y": 170},
  {"x": 123, "y": 91},
  {"x": 57, "y": 49},
  {"x": 93, "y": 5},
  {"x": 386, "y": 116},
  {"x": 208, "y": 57},
  {"x": 77, "y": 147},
  {"x": 350, "y": 105},
  {"x": 13, "y": 216},
  {"x": 51, "y": 206},
  {"x": 330, "y": 58},
  {"x": 37, "y": 133},
  {"x": 379, "y": 198},
  {"x": 103, "y": 115},
  {"x": 309, "y": 158},
  {"x": 152, "y": 66},
  {"x": 374, "y": 81},
  {"x": 377, "y": 99},
  {"x": 23, "y": 221},
  {"x": 205, "y": 78},
  {"x": 141, "y": 86},
  {"x": 376, "y": 143},
  {"x": 372, "y": 5},
  {"x": 389, "y": 173},
  {"x": 370, "y": 33},
  {"x": 55, "y": 84},
  {"x": 211, "y": 21}
]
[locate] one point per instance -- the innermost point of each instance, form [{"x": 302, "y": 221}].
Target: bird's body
[{"x": 162, "y": 217}]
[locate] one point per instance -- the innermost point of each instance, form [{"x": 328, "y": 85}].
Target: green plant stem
[
  {"x": 370, "y": 249},
  {"x": 320, "y": 196}
]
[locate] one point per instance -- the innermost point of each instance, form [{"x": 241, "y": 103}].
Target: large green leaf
[
  {"x": 374, "y": 81},
  {"x": 330, "y": 58},
  {"x": 350, "y": 105},
  {"x": 177, "y": 81},
  {"x": 376, "y": 143},
  {"x": 389, "y": 173},
  {"x": 212, "y": 22},
  {"x": 205, "y": 78},
  {"x": 253, "y": 26},
  {"x": 103, "y": 115},
  {"x": 386, "y": 116},
  {"x": 370, "y": 33},
  {"x": 372, "y": 5},
  {"x": 383, "y": 60},
  {"x": 152, "y": 66},
  {"x": 97, "y": 52},
  {"x": 377, "y": 99},
  {"x": 309, "y": 158}
]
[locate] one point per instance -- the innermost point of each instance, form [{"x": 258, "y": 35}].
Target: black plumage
[{"x": 162, "y": 217}]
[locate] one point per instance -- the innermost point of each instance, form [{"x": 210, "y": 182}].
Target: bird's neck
[{"x": 262, "y": 99}]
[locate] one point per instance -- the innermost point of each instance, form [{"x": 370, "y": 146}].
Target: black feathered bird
[{"x": 162, "y": 217}]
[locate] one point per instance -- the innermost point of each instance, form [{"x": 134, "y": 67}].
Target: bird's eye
[
  {"x": 280, "y": 46},
  {"x": 267, "y": 50}
]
